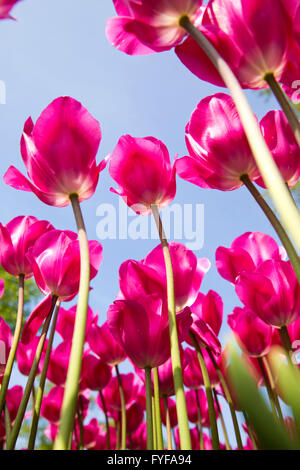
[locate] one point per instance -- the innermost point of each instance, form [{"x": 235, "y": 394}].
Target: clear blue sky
[{"x": 59, "y": 48}]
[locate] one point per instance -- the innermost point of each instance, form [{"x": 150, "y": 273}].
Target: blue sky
[{"x": 59, "y": 48}]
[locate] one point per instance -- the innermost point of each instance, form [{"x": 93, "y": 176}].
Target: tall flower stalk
[{"x": 184, "y": 432}]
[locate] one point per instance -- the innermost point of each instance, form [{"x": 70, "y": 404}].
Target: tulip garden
[{"x": 153, "y": 372}]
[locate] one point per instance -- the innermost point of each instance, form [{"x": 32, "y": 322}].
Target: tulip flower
[
  {"x": 51, "y": 404},
  {"x": 58, "y": 363},
  {"x": 103, "y": 344},
  {"x": 5, "y": 344},
  {"x": 146, "y": 26},
  {"x": 66, "y": 320},
  {"x": 149, "y": 275},
  {"x": 171, "y": 404},
  {"x": 197, "y": 407},
  {"x": 238, "y": 32},
  {"x": 111, "y": 392},
  {"x": 5, "y": 8},
  {"x": 26, "y": 353},
  {"x": 246, "y": 253},
  {"x": 253, "y": 335},
  {"x": 272, "y": 292},
  {"x": 13, "y": 400},
  {"x": 142, "y": 169},
  {"x": 219, "y": 152},
  {"x": 59, "y": 154},
  {"x": 142, "y": 329},
  {"x": 138, "y": 440},
  {"x": 16, "y": 238},
  {"x": 55, "y": 260},
  {"x": 282, "y": 143},
  {"x": 209, "y": 307},
  {"x": 95, "y": 373},
  {"x": 192, "y": 374}
]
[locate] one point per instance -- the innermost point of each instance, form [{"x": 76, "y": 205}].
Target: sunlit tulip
[
  {"x": 246, "y": 253},
  {"x": 146, "y": 26},
  {"x": 219, "y": 153},
  {"x": 197, "y": 407},
  {"x": 254, "y": 41},
  {"x": 59, "y": 153},
  {"x": 253, "y": 335},
  {"x": 104, "y": 345},
  {"x": 5, "y": 8},
  {"x": 16, "y": 238},
  {"x": 66, "y": 320},
  {"x": 25, "y": 356},
  {"x": 142, "y": 169},
  {"x": 95, "y": 373},
  {"x": 272, "y": 292}
]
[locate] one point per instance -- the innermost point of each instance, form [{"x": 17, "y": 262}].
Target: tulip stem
[
  {"x": 273, "y": 388},
  {"x": 123, "y": 410},
  {"x": 286, "y": 341},
  {"x": 285, "y": 104},
  {"x": 149, "y": 417},
  {"x": 106, "y": 419},
  {"x": 222, "y": 420},
  {"x": 168, "y": 423},
  {"x": 40, "y": 391},
  {"x": 285, "y": 240},
  {"x": 228, "y": 399},
  {"x": 14, "y": 346},
  {"x": 154, "y": 425},
  {"x": 73, "y": 376},
  {"x": 200, "y": 428},
  {"x": 209, "y": 395},
  {"x": 12, "y": 438},
  {"x": 183, "y": 423},
  {"x": 160, "y": 442},
  {"x": 7, "y": 420},
  {"x": 267, "y": 384},
  {"x": 274, "y": 182}
]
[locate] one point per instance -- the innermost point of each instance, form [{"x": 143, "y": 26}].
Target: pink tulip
[
  {"x": 219, "y": 153},
  {"x": 142, "y": 329},
  {"x": 192, "y": 375},
  {"x": 149, "y": 276},
  {"x": 101, "y": 443},
  {"x": 66, "y": 320},
  {"x": 238, "y": 31},
  {"x": 283, "y": 145},
  {"x": 272, "y": 292},
  {"x": 145, "y": 26},
  {"x": 142, "y": 169},
  {"x": 6, "y": 338},
  {"x": 290, "y": 76},
  {"x": 55, "y": 260},
  {"x": 172, "y": 412},
  {"x": 25, "y": 356},
  {"x": 193, "y": 397},
  {"x": 2, "y": 287},
  {"x": 253, "y": 335},
  {"x": 5, "y": 8},
  {"x": 111, "y": 392},
  {"x": 13, "y": 399},
  {"x": 51, "y": 404},
  {"x": 195, "y": 440},
  {"x": 90, "y": 434},
  {"x": 59, "y": 153},
  {"x": 134, "y": 417},
  {"x": 95, "y": 373},
  {"x": 209, "y": 307},
  {"x": 138, "y": 440},
  {"x": 246, "y": 253},
  {"x": 103, "y": 344},
  {"x": 16, "y": 238},
  {"x": 204, "y": 335},
  {"x": 58, "y": 363}
]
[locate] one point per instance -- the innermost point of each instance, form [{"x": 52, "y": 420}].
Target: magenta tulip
[
  {"x": 66, "y": 320},
  {"x": 246, "y": 253},
  {"x": 55, "y": 260},
  {"x": 283, "y": 145},
  {"x": 51, "y": 404},
  {"x": 238, "y": 31},
  {"x": 6, "y": 338},
  {"x": 204, "y": 335},
  {"x": 197, "y": 414},
  {"x": 13, "y": 399},
  {"x": 111, "y": 393},
  {"x": 26, "y": 353},
  {"x": 138, "y": 440},
  {"x": 95, "y": 373},
  {"x": 209, "y": 308},
  {"x": 253, "y": 335},
  {"x": 16, "y": 238},
  {"x": 142, "y": 169},
  {"x": 58, "y": 363},
  {"x": 5, "y": 8},
  {"x": 171, "y": 404},
  {"x": 2, "y": 287},
  {"x": 142, "y": 329},
  {"x": 104, "y": 345},
  {"x": 219, "y": 153},
  {"x": 146, "y": 26},
  {"x": 192, "y": 375},
  {"x": 272, "y": 292},
  {"x": 59, "y": 153}
]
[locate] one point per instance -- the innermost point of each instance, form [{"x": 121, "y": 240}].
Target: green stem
[
  {"x": 285, "y": 104},
  {"x": 7, "y": 420},
  {"x": 228, "y": 399},
  {"x": 148, "y": 386},
  {"x": 14, "y": 346},
  {"x": 30, "y": 381},
  {"x": 123, "y": 411},
  {"x": 183, "y": 423},
  {"x": 250, "y": 432},
  {"x": 106, "y": 419},
  {"x": 160, "y": 442},
  {"x": 209, "y": 395},
  {"x": 154, "y": 425},
  {"x": 73, "y": 376},
  {"x": 281, "y": 197},
  {"x": 273, "y": 388},
  {"x": 286, "y": 342},
  {"x": 285, "y": 240},
  {"x": 80, "y": 425},
  {"x": 267, "y": 384},
  {"x": 222, "y": 420},
  {"x": 40, "y": 390},
  {"x": 168, "y": 423},
  {"x": 200, "y": 429}
]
